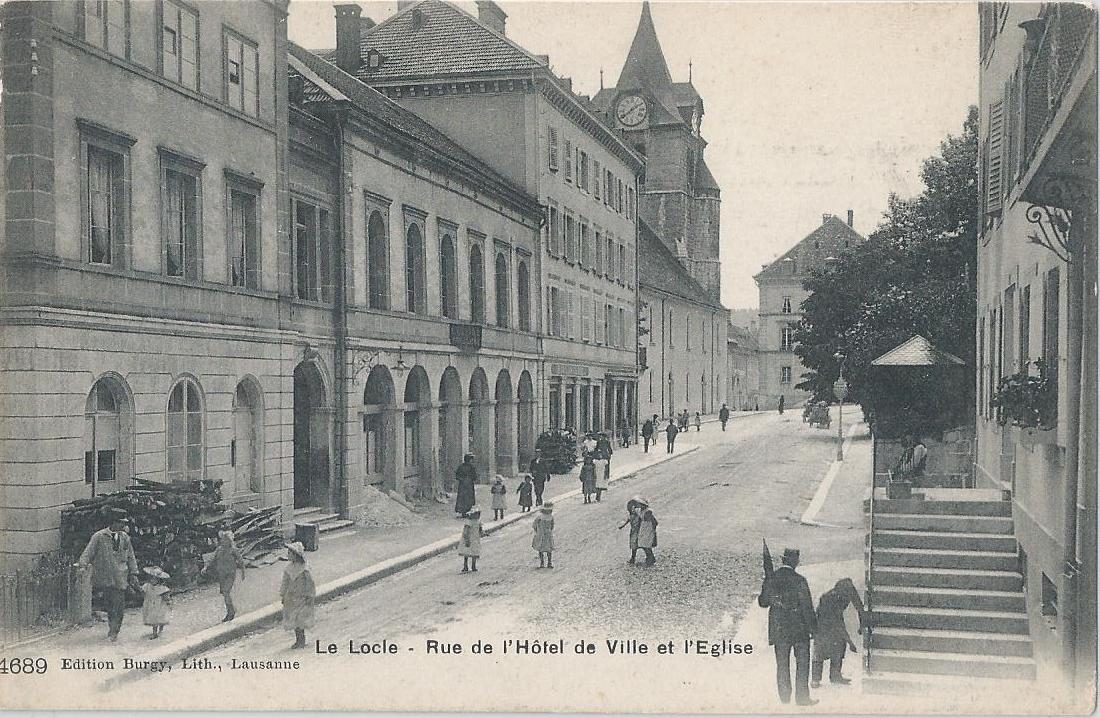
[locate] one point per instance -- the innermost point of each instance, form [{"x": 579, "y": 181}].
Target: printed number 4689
[{"x": 17, "y": 666}]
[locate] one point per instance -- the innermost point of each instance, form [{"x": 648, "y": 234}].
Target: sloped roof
[
  {"x": 742, "y": 337},
  {"x": 831, "y": 238},
  {"x": 703, "y": 177},
  {"x": 917, "y": 351},
  {"x": 460, "y": 46},
  {"x": 323, "y": 81},
  {"x": 658, "y": 268},
  {"x": 645, "y": 64}
]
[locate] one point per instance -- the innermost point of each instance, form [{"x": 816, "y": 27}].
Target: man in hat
[
  {"x": 111, "y": 557},
  {"x": 724, "y": 416},
  {"x": 466, "y": 476},
  {"x": 791, "y": 623},
  {"x": 540, "y": 474},
  {"x": 647, "y": 433}
]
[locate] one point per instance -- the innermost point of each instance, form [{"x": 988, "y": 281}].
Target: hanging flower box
[{"x": 1027, "y": 401}]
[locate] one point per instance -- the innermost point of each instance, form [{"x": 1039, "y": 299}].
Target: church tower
[{"x": 663, "y": 119}]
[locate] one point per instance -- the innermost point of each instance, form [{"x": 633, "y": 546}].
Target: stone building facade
[
  {"x": 466, "y": 77},
  {"x": 743, "y": 372},
  {"x": 685, "y": 350},
  {"x": 780, "y": 307},
  {"x": 1037, "y": 300},
  {"x": 661, "y": 119}
]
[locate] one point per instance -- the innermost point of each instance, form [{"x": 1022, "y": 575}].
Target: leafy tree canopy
[{"x": 913, "y": 275}]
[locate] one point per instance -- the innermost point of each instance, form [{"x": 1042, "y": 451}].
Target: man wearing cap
[
  {"x": 791, "y": 623},
  {"x": 111, "y": 557}
]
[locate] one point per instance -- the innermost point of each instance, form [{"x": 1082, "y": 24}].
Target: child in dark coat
[{"x": 524, "y": 491}]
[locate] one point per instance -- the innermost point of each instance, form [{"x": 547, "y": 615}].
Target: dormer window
[{"x": 374, "y": 59}]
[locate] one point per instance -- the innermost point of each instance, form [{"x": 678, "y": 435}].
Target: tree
[{"x": 913, "y": 275}]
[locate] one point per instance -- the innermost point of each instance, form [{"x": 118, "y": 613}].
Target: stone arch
[
  {"x": 312, "y": 436},
  {"x": 480, "y": 423},
  {"x": 451, "y": 442},
  {"x": 108, "y": 434},
  {"x": 246, "y": 452},
  {"x": 525, "y": 421},
  {"x": 379, "y": 427},
  {"x": 504, "y": 411},
  {"x": 417, "y": 433}
]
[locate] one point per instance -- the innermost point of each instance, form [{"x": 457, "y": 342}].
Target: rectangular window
[
  {"x": 619, "y": 198},
  {"x": 787, "y": 338},
  {"x": 244, "y": 241},
  {"x": 784, "y": 375},
  {"x": 598, "y": 319},
  {"x": 586, "y": 244},
  {"x": 622, "y": 327},
  {"x": 622, "y": 263},
  {"x": 106, "y": 202},
  {"x": 180, "y": 223},
  {"x": 570, "y": 229},
  {"x": 179, "y": 44},
  {"x": 582, "y": 174},
  {"x": 242, "y": 59},
  {"x": 567, "y": 157},
  {"x": 1025, "y": 327},
  {"x": 599, "y": 253},
  {"x": 106, "y": 24},
  {"x": 552, "y": 141},
  {"x": 608, "y": 325},
  {"x": 312, "y": 238},
  {"x": 786, "y": 305},
  {"x": 586, "y": 320},
  {"x": 597, "y": 178},
  {"x": 610, "y": 251}
]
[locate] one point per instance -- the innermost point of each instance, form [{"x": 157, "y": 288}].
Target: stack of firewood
[{"x": 257, "y": 534}]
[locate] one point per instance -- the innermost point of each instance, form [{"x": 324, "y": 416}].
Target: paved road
[{"x": 714, "y": 505}]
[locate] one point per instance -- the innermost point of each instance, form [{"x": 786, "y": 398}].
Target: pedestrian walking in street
[
  {"x": 499, "y": 493},
  {"x": 590, "y": 443},
  {"x": 114, "y": 566},
  {"x": 603, "y": 445},
  {"x": 634, "y": 519},
  {"x": 647, "y": 533},
  {"x": 470, "y": 545},
  {"x": 647, "y": 434},
  {"x": 588, "y": 478},
  {"x": 782, "y": 403},
  {"x": 465, "y": 477},
  {"x": 297, "y": 592},
  {"x": 524, "y": 491},
  {"x": 831, "y": 639},
  {"x": 155, "y": 603},
  {"x": 670, "y": 433},
  {"x": 791, "y": 623},
  {"x": 540, "y": 473},
  {"x": 723, "y": 416},
  {"x": 624, "y": 433},
  {"x": 225, "y": 565},
  {"x": 698, "y": 421},
  {"x": 601, "y": 473},
  {"x": 543, "y": 540}
]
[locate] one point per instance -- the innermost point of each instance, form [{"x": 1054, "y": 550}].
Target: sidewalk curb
[{"x": 246, "y": 623}]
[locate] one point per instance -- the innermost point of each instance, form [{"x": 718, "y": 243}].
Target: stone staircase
[
  {"x": 326, "y": 522},
  {"x": 946, "y": 595}
]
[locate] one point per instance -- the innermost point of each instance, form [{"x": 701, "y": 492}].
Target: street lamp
[{"x": 840, "y": 388}]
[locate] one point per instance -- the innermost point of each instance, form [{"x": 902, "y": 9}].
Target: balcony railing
[{"x": 1060, "y": 34}]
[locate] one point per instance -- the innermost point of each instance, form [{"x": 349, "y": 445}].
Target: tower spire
[{"x": 645, "y": 63}]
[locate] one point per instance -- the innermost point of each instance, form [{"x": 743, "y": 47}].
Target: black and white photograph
[{"x": 548, "y": 356}]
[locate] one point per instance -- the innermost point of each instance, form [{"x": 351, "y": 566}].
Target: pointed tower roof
[{"x": 645, "y": 63}]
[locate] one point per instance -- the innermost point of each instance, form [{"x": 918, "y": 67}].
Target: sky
[{"x": 810, "y": 107}]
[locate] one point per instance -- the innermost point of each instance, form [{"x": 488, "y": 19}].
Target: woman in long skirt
[
  {"x": 543, "y": 540},
  {"x": 588, "y": 478},
  {"x": 298, "y": 593},
  {"x": 600, "y": 474}
]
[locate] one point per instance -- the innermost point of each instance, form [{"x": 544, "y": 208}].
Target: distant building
[
  {"x": 685, "y": 351},
  {"x": 743, "y": 370},
  {"x": 1037, "y": 300},
  {"x": 780, "y": 307}
]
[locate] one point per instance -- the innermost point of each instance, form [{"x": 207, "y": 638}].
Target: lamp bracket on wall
[
  {"x": 1053, "y": 224},
  {"x": 364, "y": 362}
]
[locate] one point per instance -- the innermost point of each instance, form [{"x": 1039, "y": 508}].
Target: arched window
[
  {"x": 106, "y": 425},
  {"x": 184, "y": 436},
  {"x": 414, "y": 271},
  {"x": 503, "y": 299},
  {"x": 246, "y": 451},
  {"x": 378, "y": 290},
  {"x": 448, "y": 291},
  {"x": 477, "y": 285},
  {"x": 523, "y": 296}
]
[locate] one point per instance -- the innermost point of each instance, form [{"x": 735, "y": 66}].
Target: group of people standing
[
  {"x": 675, "y": 425},
  {"x": 595, "y": 474}
]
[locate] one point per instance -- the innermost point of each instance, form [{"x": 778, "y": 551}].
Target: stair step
[
  {"x": 930, "y": 639},
  {"x": 946, "y": 578},
  {"x": 333, "y": 525},
  {"x": 946, "y": 558},
  {"x": 952, "y": 664},
  {"x": 945, "y": 522},
  {"x": 929, "y": 597},
  {"x": 959, "y": 508},
  {"x": 885, "y": 614},
  {"x": 956, "y": 540},
  {"x": 945, "y": 687},
  {"x": 307, "y": 511}
]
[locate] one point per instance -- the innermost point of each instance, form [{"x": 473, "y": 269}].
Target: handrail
[{"x": 869, "y": 579}]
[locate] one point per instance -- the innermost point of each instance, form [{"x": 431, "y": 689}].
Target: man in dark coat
[
  {"x": 670, "y": 432},
  {"x": 831, "y": 639},
  {"x": 604, "y": 444},
  {"x": 540, "y": 474},
  {"x": 791, "y": 623},
  {"x": 466, "y": 477},
  {"x": 782, "y": 403},
  {"x": 647, "y": 434},
  {"x": 111, "y": 557},
  {"x": 723, "y": 416}
]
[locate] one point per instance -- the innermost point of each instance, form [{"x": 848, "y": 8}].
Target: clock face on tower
[{"x": 631, "y": 110}]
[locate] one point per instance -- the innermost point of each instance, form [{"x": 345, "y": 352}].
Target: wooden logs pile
[{"x": 257, "y": 535}]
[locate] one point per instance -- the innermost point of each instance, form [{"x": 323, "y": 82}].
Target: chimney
[
  {"x": 347, "y": 37},
  {"x": 826, "y": 216},
  {"x": 851, "y": 217},
  {"x": 491, "y": 16}
]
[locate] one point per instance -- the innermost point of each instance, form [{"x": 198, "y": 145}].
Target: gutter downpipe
[{"x": 340, "y": 317}]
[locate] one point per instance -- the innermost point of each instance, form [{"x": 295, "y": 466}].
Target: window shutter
[
  {"x": 568, "y": 160},
  {"x": 995, "y": 159},
  {"x": 629, "y": 267},
  {"x": 553, "y": 142},
  {"x": 1012, "y": 133},
  {"x": 597, "y": 311},
  {"x": 597, "y": 176},
  {"x": 586, "y": 320}
]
